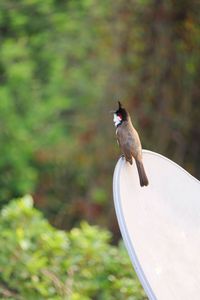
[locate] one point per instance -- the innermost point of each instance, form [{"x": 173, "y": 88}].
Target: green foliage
[
  {"x": 39, "y": 262},
  {"x": 63, "y": 65}
]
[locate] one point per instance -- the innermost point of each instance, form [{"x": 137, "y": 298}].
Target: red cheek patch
[{"x": 120, "y": 116}]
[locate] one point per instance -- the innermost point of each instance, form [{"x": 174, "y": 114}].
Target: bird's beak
[{"x": 112, "y": 111}]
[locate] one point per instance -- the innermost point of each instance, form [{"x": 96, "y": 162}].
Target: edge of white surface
[
  {"x": 125, "y": 234},
  {"x": 170, "y": 161},
  {"x": 122, "y": 223}
]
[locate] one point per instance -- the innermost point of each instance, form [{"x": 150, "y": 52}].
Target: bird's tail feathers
[{"x": 142, "y": 175}]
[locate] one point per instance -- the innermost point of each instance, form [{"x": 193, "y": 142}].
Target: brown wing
[
  {"x": 130, "y": 145},
  {"x": 124, "y": 141},
  {"x": 129, "y": 141}
]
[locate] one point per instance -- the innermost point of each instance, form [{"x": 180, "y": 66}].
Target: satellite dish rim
[
  {"x": 122, "y": 223},
  {"x": 124, "y": 232}
]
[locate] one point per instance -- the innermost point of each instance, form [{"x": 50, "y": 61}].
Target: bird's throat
[{"x": 117, "y": 120}]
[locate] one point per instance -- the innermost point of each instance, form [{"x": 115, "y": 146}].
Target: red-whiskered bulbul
[{"x": 129, "y": 141}]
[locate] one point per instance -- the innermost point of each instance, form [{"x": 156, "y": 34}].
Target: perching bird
[{"x": 129, "y": 141}]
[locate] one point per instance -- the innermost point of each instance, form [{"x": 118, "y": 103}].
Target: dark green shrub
[{"x": 38, "y": 261}]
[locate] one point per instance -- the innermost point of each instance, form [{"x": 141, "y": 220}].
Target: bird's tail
[{"x": 142, "y": 175}]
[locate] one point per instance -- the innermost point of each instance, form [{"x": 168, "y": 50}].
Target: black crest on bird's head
[{"x": 121, "y": 112}]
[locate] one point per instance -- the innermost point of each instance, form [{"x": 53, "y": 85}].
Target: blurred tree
[
  {"x": 31, "y": 96},
  {"x": 63, "y": 66}
]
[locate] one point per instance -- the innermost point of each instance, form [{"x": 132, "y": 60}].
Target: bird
[{"x": 129, "y": 141}]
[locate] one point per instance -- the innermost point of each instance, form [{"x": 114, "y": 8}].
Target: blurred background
[{"x": 63, "y": 66}]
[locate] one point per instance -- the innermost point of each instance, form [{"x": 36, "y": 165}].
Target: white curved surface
[{"x": 160, "y": 225}]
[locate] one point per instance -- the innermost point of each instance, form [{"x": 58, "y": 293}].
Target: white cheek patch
[{"x": 117, "y": 120}]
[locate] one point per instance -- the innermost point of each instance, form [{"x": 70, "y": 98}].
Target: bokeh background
[{"x": 64, "y": 64}]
